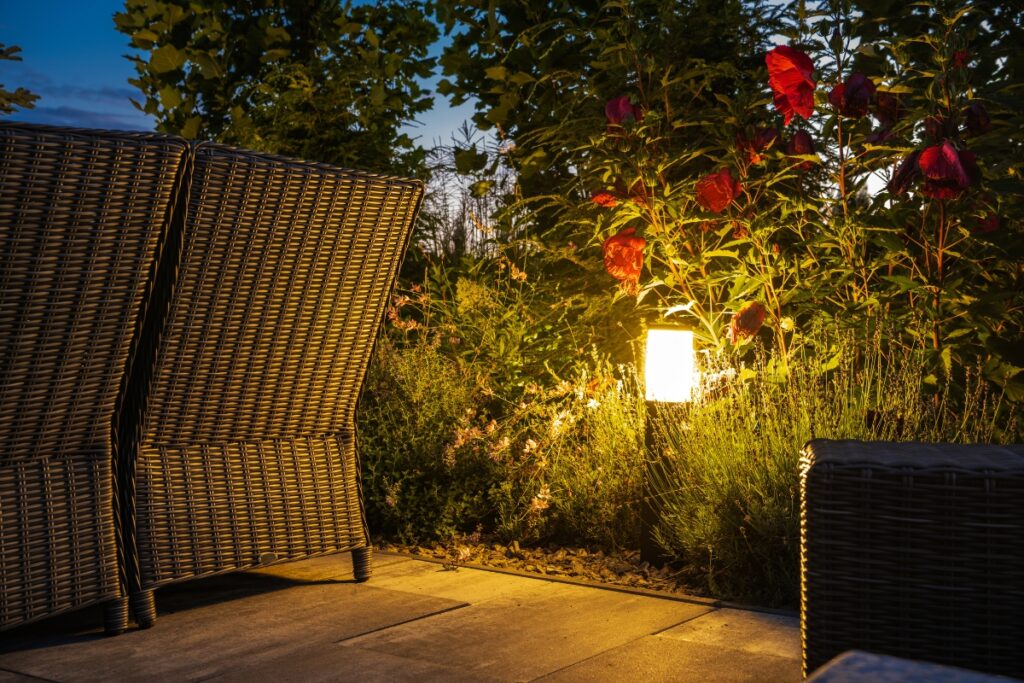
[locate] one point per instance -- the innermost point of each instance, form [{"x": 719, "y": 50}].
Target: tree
[
  {"x": 9, "y": 101},
  {"x": 318, "y": 79}
]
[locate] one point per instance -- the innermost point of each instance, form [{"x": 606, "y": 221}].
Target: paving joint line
[
  {"x": 32, "y": 676},
  {"x": 403, "y": 622}
]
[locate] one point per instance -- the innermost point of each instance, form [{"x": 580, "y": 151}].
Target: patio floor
[{"x": 414, "y": 620}]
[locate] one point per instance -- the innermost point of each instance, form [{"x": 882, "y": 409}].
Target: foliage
[
  {"x": 729, "y": 482},
  {"x": 10, "y": 101},
  {"x": 456, "y": 437},
  {"x": 423, "y": 477},
  {"x": 322, "y": 80},
  {"x": 892, "y": 191}
]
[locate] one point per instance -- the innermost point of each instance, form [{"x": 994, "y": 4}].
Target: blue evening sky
[{"x": 73, "y": 59}]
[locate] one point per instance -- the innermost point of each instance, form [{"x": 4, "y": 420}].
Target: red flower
[
  {"x": 620, "y": 110},
  {"x": 717, "y": 190},
  {"x": 624, "y": 257},
  {"x": 639, "y": 193},
  {"x": 604, "y": 198},
  {"x": 976, "y": 120},
  {"x": 987, "y": 225},
  {"x": 938, "y": 128},
  {"x": 764, "y": 138},
  {"x": 790, "y": 77},
  {"x": 852, "y": 99},
  {"x": 880, "y": 136},
  {"x": 801, "y": 143},
  {"x": 746, "y": 323},
  {"x": 947, "y": 171},
  {"x": 905, "y": 175},
  {"x": 888, "y": 109},
  {"x": 960, "y": 59}
]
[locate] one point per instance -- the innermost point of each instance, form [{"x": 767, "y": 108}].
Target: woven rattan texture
[
  {"x": 215, "y": 508},
  {"x": 923, "y": 563},
  {"x": 81, "y": 217},
  {"x": 56, "y": 537},
  {"x": 284, "y": 272}
]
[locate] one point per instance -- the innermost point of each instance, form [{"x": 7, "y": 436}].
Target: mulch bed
[{"x": 620, "y": 569}]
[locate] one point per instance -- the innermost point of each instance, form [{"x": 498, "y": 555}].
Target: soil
[{"x": 622, "y": 568}]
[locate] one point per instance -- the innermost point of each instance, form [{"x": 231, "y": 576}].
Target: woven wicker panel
[
  {"x": 284, "y": 272},
  {"x": 914, "y": 550},
  {"x": 56, "y": 537},
  {"x": 81, "y": 218},
  {"x": 209, "y": 509}
]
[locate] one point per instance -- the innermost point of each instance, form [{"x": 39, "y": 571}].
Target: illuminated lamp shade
[{"x": 670, "y": 373}]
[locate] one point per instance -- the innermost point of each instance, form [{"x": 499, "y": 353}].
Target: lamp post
[{"x": 670, "y": 376}]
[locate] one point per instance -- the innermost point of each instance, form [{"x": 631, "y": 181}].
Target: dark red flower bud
[
  {"x": 790, "y": 74},
  {"x": 717, "y": 190},
  {"x": 961, "y": 58},
  {"x": 624, "y": 257},
  {"x": 905, "y": 175},
  {"x": 747, "y": 321},
  {"x": 801, "y": 144},
  {"x": 888, "y": 109},
  {"x": 947, "y": 171},
  {"x": 620, "y": 110},
  {"x": 604, "y": 198},
  {"x": 852, "y": 99},
  {"x": 765, "y": 138},
  {"x": 976, "y": 120},
  {"x": 937, "y": 128},
  {"x": 880, "y": 136},
  {"x": 639, "y": 193},
  {"x": 987, "y": 225}
]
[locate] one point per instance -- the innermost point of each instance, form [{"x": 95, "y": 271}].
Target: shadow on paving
[{"x": 413, "y": 621}]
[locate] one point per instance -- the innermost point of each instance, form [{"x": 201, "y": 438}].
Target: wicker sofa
[
  {"x": 82, "y": 216},
  {"x": 913, "y": 550},
  {"x": 217, "y": 429}
]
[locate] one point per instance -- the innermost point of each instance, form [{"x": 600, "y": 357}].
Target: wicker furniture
[
  {"x": 82, "y": 214},
  {"x": 913, "y": 550},
  {"x": 270, "y": 297},
  {"x": 865, "y": 667}
]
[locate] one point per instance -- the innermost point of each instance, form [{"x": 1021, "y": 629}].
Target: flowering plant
[{"x": 851, "y": 198}]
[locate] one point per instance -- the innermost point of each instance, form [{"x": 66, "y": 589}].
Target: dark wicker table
[{"x": 913, "y": 550}]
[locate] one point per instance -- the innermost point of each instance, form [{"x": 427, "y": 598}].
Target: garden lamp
[{"x": 670, "y": 376}]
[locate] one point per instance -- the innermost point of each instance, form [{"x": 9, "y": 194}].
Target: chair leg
[
  {"x": 144, "y": 606},
  {"x": 115, "y": 616},
  {"x": 362, "y": 561}
]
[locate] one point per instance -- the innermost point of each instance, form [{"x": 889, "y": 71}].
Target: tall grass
[{"x": 729, "y": 483}]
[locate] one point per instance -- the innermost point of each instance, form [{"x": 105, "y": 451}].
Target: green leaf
[
  {"x": 496, "y": 73},
  {"x": 170, "y": 97},
  {"x": 191, "y": 128},
  {"x": 166, "y": 58}
]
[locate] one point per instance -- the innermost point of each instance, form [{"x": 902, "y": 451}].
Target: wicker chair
[
  {"x": 913, "y": 550},
  {"x": 82, "y": 215},
  {"x": 270, "y": 300}
]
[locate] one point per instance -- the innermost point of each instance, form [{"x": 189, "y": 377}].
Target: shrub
[
  {"x": 729, "y": 486},
  {"x": 424, "y": 475}
]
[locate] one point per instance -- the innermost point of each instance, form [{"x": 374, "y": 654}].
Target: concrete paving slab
[
  {"x": 337, "y": 566},
  {"x": 414, "y": 621},
  {"x": 464, "y": 585},
  {"x": 540, "y": 628},
  {"x": 11, "y": 677},
  {"x": 214, "y": 638},
  {"x": 654, "y": 659},
  {"x": 755, "y": 632},
  {"x": 336, "y": 662}
]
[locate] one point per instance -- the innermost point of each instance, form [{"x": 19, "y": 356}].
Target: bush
[
  {"x": 729, "y": 485},
  {"x": 424, "y": 477}
]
